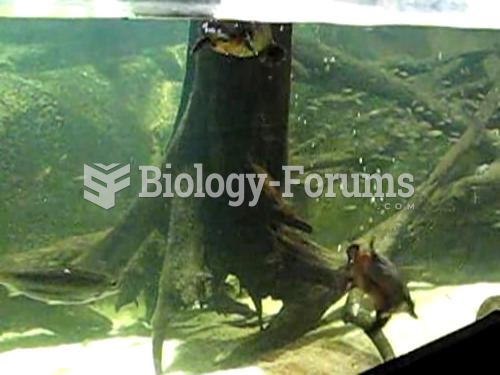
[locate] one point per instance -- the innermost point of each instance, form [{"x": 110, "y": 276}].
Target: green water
[{"x": 363, "y": 100}]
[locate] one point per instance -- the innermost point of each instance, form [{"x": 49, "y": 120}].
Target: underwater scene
[{"x": 201, "y": 196}]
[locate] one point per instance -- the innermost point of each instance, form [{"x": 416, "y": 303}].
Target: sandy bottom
[{"x": 441, "y": 310}]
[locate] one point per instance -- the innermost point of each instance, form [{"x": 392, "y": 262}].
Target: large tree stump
[{"x": 235, "y": 121}]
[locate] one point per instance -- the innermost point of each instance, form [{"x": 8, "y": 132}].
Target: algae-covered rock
[
  {"x": 490, "y": 305},
  {"x": 65, "y": 103}
]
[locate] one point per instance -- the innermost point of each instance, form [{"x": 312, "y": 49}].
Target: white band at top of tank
[{"x": 481, "y": 14}]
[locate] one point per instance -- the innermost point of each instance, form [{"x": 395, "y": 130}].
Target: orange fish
[{"x": 380, "y": 279}]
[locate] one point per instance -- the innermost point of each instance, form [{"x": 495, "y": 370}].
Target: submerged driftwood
[
  {"x": 348, "y": 72},
  {"x": 233, "y": 115},
  {"x": 448, "y": 189},
  {"x": 238, "y": 110}
]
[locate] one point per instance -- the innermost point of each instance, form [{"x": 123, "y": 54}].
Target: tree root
[
  {"x": 294, "y": 320},
  {"x": 354, "y": 313},
  {"x": 451, "y": 171},
  {"x": 349, "y": 72},
  {"x": 181, "y": 272},
  {"x": 142, "y": 275}
]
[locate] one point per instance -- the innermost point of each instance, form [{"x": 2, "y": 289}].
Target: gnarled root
[
  {"x": 297, "y": 317},
  {"x": 160, "y": 325},
  {"x": 181, "y": 272},
  {"x": 306, "y": 284},
  {"x": 355, "y": 313}
]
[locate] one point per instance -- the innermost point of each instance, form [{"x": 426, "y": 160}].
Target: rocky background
[
  {"x": 388, "y": 100},
  {"x": 74, "y": 93},
  {"x": 107, "y": 91}
]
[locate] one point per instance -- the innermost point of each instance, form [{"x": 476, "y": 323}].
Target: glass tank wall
[{"x": 82, "y": 262}]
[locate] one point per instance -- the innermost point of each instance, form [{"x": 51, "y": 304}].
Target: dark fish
[
  {"x": 240, "y": 39},
  {"x": 379, "y": 278},
  {"x": 58, "y": 285}
]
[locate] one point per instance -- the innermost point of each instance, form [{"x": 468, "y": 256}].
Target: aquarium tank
[{"x": 244, "y": 187}]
